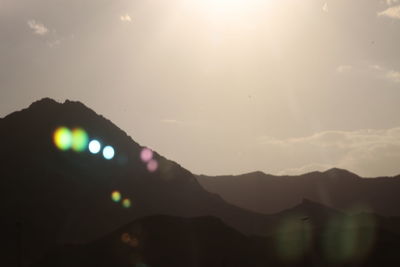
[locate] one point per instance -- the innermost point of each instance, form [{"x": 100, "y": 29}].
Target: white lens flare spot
[
  {"x": 94, "y": 146},
  {"x": 108, "y": 152}
]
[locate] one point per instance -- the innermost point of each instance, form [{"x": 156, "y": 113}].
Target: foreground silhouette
[{"x": 306, "y": 235}]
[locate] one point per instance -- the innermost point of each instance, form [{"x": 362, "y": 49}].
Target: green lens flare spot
[
  {"x": 62, "y": 138},
  {"x": 126, "y": 203},
  {"x": 116, "y": 196},
  {"x": 80, "y": 140}
]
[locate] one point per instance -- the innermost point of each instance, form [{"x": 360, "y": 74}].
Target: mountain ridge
[
  {"x": 335, "y": 187},
  {"x": 62, "y": 196}
]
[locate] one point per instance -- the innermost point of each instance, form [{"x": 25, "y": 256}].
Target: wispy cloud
[
  {"x": 375, "y": 67},
  {"x": 372, "y": 70},
  {"x": 125, "y": 18},
  {"x": 387, "y": 74},
  {"x": 344, "y": 68},
  {"x": 50, "y": 37},
  {"x": 37, "y": 27},
  {"x": 54, "y": 43},
  {"x": 393, "y": 76},
  {"x": 392, "y": 12},
  {"x": 325, "y": 7},
  {"x": 170, "y": 121},
  {"x": 391, "y": 2},
  {"x": 367, "y": 152}
]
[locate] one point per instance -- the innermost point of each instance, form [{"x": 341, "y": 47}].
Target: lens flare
[
  {"x": 126, "y": 203},
  {"x": 108, "y": 152},
  {"x": 125, "y": 238},
  {"x": 152, "y": 165},
  {"x": 293, "y": 238},
  {"x": 94, "y": 146},
  {"x": 132, "y": 241},
  {"x": 349, "y": 238},
  {"x": 116, "y": 196},
  {"x": 146, "y": 154},
  {"x": 79, "y": 139},
  {"x": 62, "y": 138}
]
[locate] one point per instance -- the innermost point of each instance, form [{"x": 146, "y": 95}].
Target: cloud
[
  {"x": 391, "y": 12},
  {"x": 375, "y": 67},
  {"x": 52, "y": 38},
  {"x": 325, "y": 7},
  {"x": 367, "y": 152},
  {"x": 170, "y": 121},
  {"x": 37, "y": 27},
  {"x": 391, "y": 2},
  {"x": 372, "y": 70},
  {"x": 125, "y": 18},
  {"x": 53, "y": 43},
  {"x": 387, "y": 74},
  {"x": 344, "y": 68},
  {"x": 393, "y": 76}
]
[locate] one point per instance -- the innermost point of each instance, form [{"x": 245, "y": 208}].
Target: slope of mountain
[
  {"x": 336, "y": 188},
  {"x": 49, "y": 196},
  {"x": 162, "y": 241},
  {"x": 308, "y": 234},
  {"x": 311, "y": 234}
]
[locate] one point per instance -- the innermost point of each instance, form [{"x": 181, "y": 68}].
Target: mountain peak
[
  {"x": 309, "y": 208},
  {"x": 336, "y": 172},
  {"x": 48, "y": 102},
  {"x": 310, "y": 203},
  {"x": 48, "y": 107},
  {"x": 44, "y": 101},
  {"x": 255, "y": 174}
]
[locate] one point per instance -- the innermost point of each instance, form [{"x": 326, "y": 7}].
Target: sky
[{"x": 220, "y": 86}]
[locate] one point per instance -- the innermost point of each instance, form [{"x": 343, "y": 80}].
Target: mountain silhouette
[
  {"x": 162, "y": 241},
  {"x": 68, "y": 207},
  {"x": 308, "y": 234},
  {"x": 50, "y": 196},
  {"x": 336, "y": 188}
]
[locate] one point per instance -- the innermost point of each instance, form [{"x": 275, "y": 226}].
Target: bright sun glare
[{"x": 229, "y": 11}]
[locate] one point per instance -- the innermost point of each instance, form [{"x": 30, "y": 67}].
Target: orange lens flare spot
[{"x": 125, "y": 238}]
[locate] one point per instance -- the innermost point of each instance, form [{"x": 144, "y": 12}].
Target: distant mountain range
[
  {"x": 66, "y": 206},
  {"x": 336, "y": 188}
]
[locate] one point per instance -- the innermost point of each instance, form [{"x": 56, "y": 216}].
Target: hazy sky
[{"x": 220, "y": 86}]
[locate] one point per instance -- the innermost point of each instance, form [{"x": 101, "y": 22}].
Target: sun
[
  {"x": 226, "y": 6},
  {"x": 225, "y": 11},
  {"x": 225, "y": 3}
]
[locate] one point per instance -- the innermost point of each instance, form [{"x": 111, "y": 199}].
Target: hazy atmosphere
[{"x": 220, "y": 86}]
